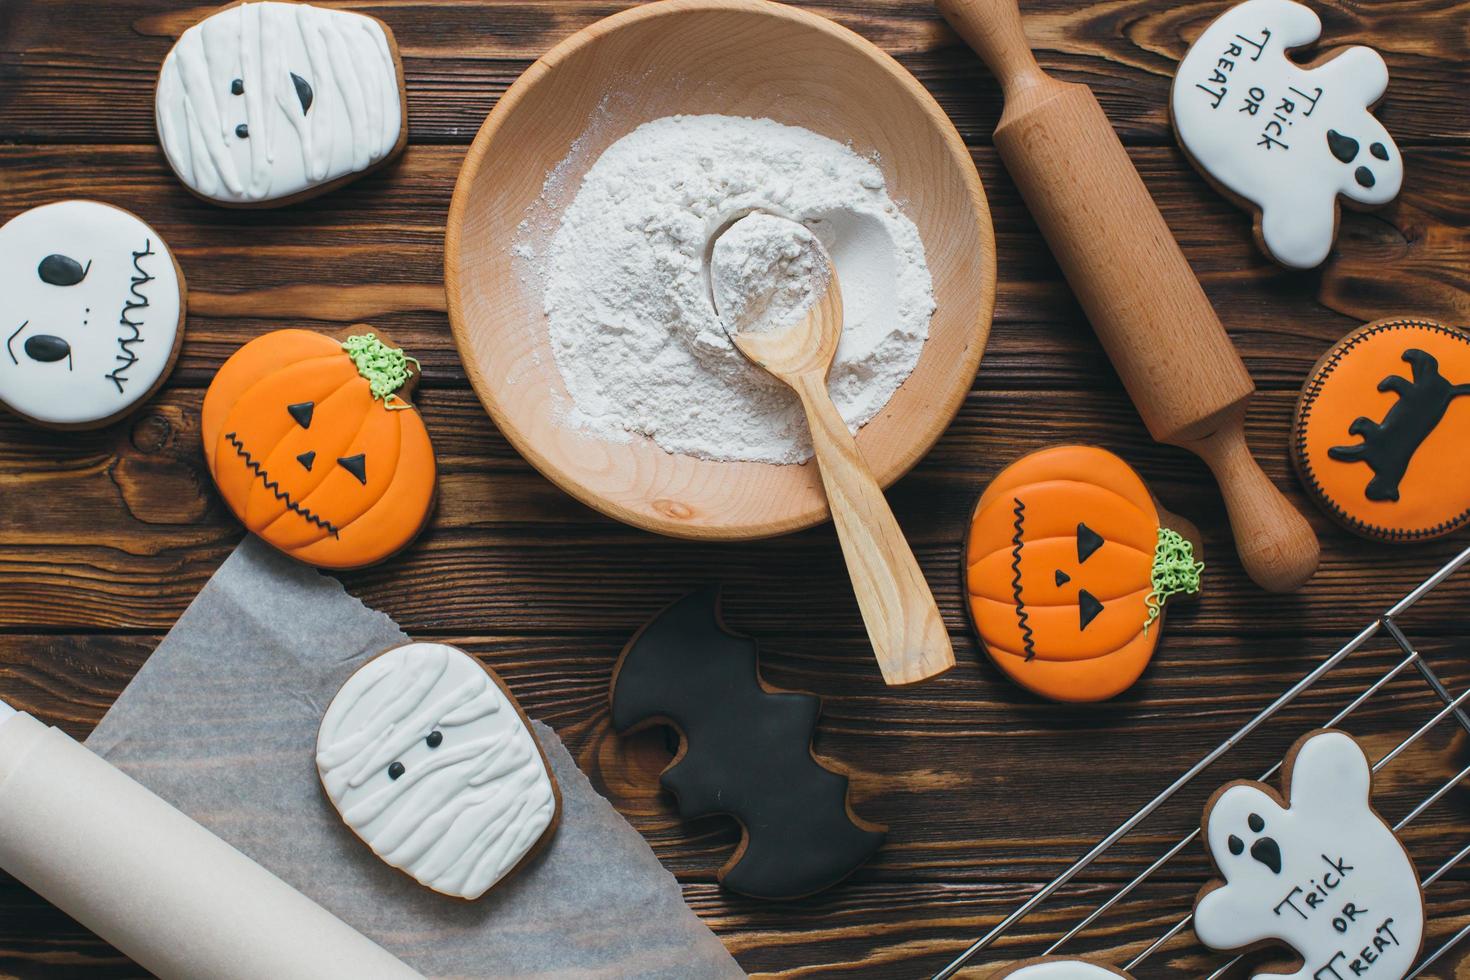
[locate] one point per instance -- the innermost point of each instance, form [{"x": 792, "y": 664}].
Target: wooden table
[{"x": 106, "y": 536}]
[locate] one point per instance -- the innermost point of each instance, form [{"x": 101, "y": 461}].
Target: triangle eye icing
[
  {"x": 1087, "y": 608},
  {"x": 1088, "y": 541},
  {"x": 307, "y": 458},
  {"x": 1062, "y": 578},
  {"x": 356, "y": 465},
  {"x": 301, "y": 412}
]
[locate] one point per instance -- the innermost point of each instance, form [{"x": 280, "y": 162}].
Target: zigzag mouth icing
[
  {"x": 1028, "y": 641},
  {"x": 275, "y": 487}
]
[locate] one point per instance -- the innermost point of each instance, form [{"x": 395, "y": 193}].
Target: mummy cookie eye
[
  {"x": 303, "y": 92},
  {"x": 356, "y": 465},
  {"x": 242, "y": 131},
  {"x": 62, "y": 270},
  {"x": 395, "y": 770},
  {"x": 301, "y": 412},
  {"x": 237, "y": 87},
  {"x": 434, "y": 739}
]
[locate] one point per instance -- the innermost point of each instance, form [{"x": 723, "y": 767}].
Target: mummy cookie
[
  {"x": 1381, "y": 430},
  {"x": 314, "y": 447},
  {"x": 1057, "y": 968},
  {"x": 429, "y": 759},
  {"x": 267, "y": 103},
  {"x": 1284, "y": 138},
  {"x": 1068, "y": 564},
  {"x": 94, "y": 307},
  {"x": 1321, "y": 873}
]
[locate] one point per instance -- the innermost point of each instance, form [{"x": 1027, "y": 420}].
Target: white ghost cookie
[
  {"x": 94, "y": 313},
  {"x": 430, "y": 761},
  {"x": 1324, "y": 875},
  {"x": 1282, "y": 137},
  {"x": 1057, "y": 968},
  {"x": 265, "y": 103}
]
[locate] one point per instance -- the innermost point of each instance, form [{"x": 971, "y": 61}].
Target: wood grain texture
[{"x": 106, "y": 536}]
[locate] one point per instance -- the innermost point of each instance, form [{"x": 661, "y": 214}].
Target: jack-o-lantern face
[
  {"x": 314, "y": 451},
  {"x": 1066, "y": 567}
]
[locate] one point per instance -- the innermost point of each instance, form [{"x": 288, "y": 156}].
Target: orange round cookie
[
  {"x": 1067, "y": 565},
  {"x": 1381, "y": 430},
  {"x": 314, "y": 448}
]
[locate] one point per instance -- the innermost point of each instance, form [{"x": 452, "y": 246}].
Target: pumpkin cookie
[
  {"x": 314, "y": 448},
  {"x": 1068, "y": 563},
  {"x": 1381, "y": 430}
]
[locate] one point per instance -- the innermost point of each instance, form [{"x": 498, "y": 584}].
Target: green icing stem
[
  {"x": 1174, "y": 571},
  {"x": 384, "y": 367}
]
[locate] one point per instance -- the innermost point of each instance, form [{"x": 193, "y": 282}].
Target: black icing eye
[
  {"x": 1345, "y": 148},
  {"x": 1379, "y": 150},
  {"x": 242, "y": 131},
  {"x": 307, "y": 458},
  {"x": 356, "y": 465},
  {"x": 434, "y": 739},
  {"x": 1087, "y": 608},
  {"x": 1237, "y": 846},
  {"x": 237, "y": 87},
  {"x": 1364, "y": 177},
  {"x": 1062, "y": 578},
  {"x": 303, "y": 92},
  {"x": 46, "y": 348},
  {"x": 301, "y": 412},
  {"x": 395, "y": 770},
  {"x": 1088, "y": 541},
  {"x": 1255, "y": 823},
  {"x": 62, "y": 270}
]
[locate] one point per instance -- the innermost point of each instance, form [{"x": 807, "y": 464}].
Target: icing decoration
[
  {"x": 261, "y": 102},
  {"x": 1323, "y": 874},
  {"x": 1057, "y": 968},
  {"x": 1067, "y": 567},
  {"x": 1381, "y": 428},
  {"x": 95, "y": 307},
  {"x": 429, "y": 759},
  {"x": 1285, "y": 138},
  {"x": 284, "y": 399},
  {"x": 745, "y": 751}
]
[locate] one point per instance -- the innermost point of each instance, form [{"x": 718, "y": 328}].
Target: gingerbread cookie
[
  {"x": 431, "y": 762},
  {"x": 1322, "y": 873},
  {"x": 1283, "y": 138},
  {"x": 1058, "y": 968},
  {"x": 745, "y": 751},
  {"x": 1381, "y": 429},
  {"x": 268, "y": 103},
  {"x": 314, "y": 448},
  {"x": 95, "y": 308},
  {"x": 1068, "y": 563}
]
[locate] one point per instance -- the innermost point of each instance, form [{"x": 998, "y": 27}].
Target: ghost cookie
[
  {"x": 1321, "y": 873},
  {"x": 94, "y": 304},
  {"x": 431, "y": 762},
  {"x": 1068, "y": 563},
  {"x": 1283, "y": 138},
  {"x": 1058, "y": 968},
  {"x": 314, "y": 447},
  {"x": 269, "y": 103},
  {"x": 1381, "y": 429}
]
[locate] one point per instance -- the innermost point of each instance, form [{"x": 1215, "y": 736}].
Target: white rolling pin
[{"x": 151, "y": 881}]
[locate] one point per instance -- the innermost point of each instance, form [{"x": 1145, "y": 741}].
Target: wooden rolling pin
[{"x": 1138, "y": 290}]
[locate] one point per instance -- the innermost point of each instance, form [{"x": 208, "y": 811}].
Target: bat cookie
[
  {"x": 1285, "y": 139},
  {"x": 262, "y": 104},
  {"x": 1319, "y": 871},
  {"x": 1381, "y": 430},
  {"x": 745, "y": 751},
  {"x": 314, "y": 447},
  {"x": 1068, "y": 563},
  {"x": 95, "y": 313},
  {"x": 1058, "y": 968},
  {"x": 430, "y": 760}
]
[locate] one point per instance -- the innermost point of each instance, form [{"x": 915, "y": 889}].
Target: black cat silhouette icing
[
  {"x": 745, "y": 751},
  {"x": 1388, "y": 446}
]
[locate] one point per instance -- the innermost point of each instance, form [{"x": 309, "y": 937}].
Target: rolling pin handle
[
  {"x": 993, "y": 29},
  {"x": 1276, "y": 545}
]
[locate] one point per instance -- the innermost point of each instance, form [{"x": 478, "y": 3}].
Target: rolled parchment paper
[{"x": 151, "y": 881}]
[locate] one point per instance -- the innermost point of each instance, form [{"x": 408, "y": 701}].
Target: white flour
[
  {"x": 634, "y": 332},
  {"x": 766, "y": 273}
]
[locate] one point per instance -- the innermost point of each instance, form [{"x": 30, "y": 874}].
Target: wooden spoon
[{"x": 902, "y": 620}]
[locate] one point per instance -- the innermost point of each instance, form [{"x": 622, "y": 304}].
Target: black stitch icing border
[{"x": 1313, "y": 389}]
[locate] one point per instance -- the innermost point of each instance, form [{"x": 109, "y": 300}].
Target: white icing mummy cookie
[
  {"x": 94, "y": 313},
  {"x": 265, "y": 103},
  {"x": 1284, "y": 138},
  {"x": 1056, "y": 968},
  {"x": 1324, "y": 875},
  {"x": 430, "y": 761}
]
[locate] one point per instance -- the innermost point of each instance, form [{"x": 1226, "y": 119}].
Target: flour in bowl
[{"x": 632, "y": 326}]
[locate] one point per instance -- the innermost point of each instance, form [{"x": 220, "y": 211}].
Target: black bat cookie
[{"x": 745, "y": 751}]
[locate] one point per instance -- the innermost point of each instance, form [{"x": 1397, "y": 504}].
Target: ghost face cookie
[
  {"x": 314, "y": 447},
  {"x": 267, "y": 103},
  {"x": 94, "y": 313},
  {"x": 1320, "y": 871},
  {"x": 1381, "y": 429},
  {"x": 1285, "y": 139},
  {"x": 429, "y": 759},
  {"x": 1058, "y": 968},
  {"x": 1068, "y": 563}
]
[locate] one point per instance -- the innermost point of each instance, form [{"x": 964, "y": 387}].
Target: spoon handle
[{"x": 903, "y": 622}]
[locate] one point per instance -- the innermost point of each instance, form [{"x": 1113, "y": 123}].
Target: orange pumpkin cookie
[
  {"x": 314, "y": 448},
  {"x": 1381, "y": 430},
  {"x": 1067, "y": 566}
]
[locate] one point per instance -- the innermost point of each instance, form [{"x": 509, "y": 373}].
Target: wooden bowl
[{"x": 733, "y": 57}]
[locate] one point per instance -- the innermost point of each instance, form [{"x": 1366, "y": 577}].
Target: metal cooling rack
[{"x": 1453, "y": 707}]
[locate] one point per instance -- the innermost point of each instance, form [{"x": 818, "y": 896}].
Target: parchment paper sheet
[{"x": 221, "y": 722}]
